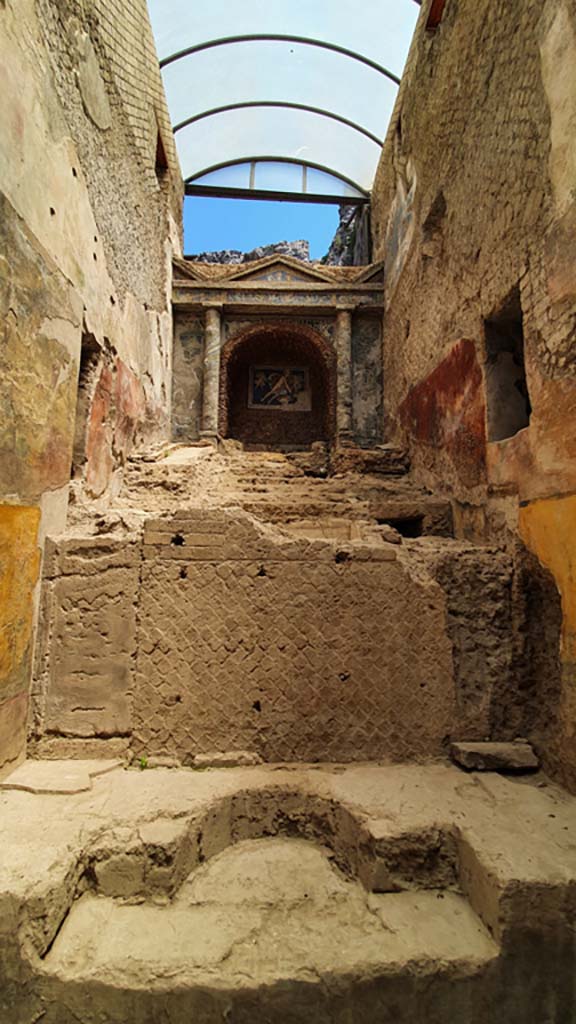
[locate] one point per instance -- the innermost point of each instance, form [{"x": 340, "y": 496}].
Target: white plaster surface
[{"x": 558, "y": 57}]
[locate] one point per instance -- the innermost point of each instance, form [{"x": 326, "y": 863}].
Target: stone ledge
[
  {"x": 57, "y": 776},
  {"x": 495, "y": 757}
]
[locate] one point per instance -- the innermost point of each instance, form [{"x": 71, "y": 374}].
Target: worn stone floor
[
  {"x": 273, "y": 486},
  {"x": 276, "y": 893}
]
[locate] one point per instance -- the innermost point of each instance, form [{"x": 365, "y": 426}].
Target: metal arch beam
[
  {"x": 277, "y": 160},
  {"x": 276, "y": 37},
  {"x": 272, "y": 195},
  {"x": 284, "y": 105}
]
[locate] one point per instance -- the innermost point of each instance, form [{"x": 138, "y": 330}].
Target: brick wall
[{"x": 127, "y": 41}]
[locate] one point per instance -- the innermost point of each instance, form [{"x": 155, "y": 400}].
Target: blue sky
[{"x": 212, "y": 224}]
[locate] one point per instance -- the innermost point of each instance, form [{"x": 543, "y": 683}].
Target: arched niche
[{"x": 277, "y": 387}]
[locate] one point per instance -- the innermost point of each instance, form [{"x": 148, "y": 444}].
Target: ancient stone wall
[
  {"x": 216, "y": 632},
  {"x": 474, "y": 214},
  {"x": 298, "y": 650},
  {"x": 90, "y": 193}
]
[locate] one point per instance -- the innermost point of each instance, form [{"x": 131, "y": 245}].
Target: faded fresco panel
[{"x": 19, "y": 566}]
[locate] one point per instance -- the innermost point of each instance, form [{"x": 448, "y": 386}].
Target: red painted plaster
[
  {"x": 130, "y": 407},
  {"x": 118, "y": 408},
  {"x": 99, "y": 437},
  {"x": 447, "y": 411}
]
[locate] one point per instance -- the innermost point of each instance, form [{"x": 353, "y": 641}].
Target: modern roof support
[
  {"x": 193, "y": 186},
  {"x": 293, "y": 92},
  {"x": 225, "y": 192},
  {"x": 268, "y": 37},
  {"x": 282, "y": 104}
]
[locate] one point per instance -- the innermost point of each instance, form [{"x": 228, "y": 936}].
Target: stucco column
[
  {"x": 343, "y": 343},
  {"x": 211, "y": 372}
]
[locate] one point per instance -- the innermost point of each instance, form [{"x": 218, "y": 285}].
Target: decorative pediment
[
  {"x": 187, "y": 268},
  {"x": 277, "y": 271},
  {"x": 372, "y": 274},
  {"x": 280, "y": 270}
]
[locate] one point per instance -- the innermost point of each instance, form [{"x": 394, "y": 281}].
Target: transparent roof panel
[
  {"x": 279, "y": 178},
  {"x": 291, "y": 100},
  {"x": 298, "y": 135}
]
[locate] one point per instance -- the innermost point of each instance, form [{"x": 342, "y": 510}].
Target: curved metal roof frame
[
  {"x": 340, "y": 99},
  {"x": 277, "y": 160},
  {"x": 286, "y": 106},
  {"x": 258, "y": 37}
]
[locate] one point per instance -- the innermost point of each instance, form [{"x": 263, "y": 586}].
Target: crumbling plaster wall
[
  {"x": 474, "y": 197},
  {"x": 87, "y": 234}
]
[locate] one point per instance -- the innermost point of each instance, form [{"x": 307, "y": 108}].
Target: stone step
[{"x": 275, "y": 487}]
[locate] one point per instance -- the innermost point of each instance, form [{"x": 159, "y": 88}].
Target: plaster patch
[
  {"x": 548, "y": 528},
  {"x": 558, "y": 63},
  {"x": 65, "y": 332},
  {"x": 13, "y": 719},
  {"x": 91, "y": 85}
]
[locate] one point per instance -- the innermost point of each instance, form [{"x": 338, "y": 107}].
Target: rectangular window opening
[{"x": 507, "y": 397}]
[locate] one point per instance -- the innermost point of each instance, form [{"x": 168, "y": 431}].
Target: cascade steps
[
  {"x": 283, "y": 893},
  {"x": 275, "y": 487}
]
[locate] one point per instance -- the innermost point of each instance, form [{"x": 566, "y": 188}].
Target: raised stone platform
[
  {"x": 287, "y": 894},
  {"x": 321, "y": 640}
]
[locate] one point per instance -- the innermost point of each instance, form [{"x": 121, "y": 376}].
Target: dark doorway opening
[
  {"x": 507, "y": 395},
  {"x": 408, "y": 526},
  {"x": 90, "y": 354}
]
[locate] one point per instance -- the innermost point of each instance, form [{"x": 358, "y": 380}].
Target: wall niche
[{"x": 507, "y": 398}]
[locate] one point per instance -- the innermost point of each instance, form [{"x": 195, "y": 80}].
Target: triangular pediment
[
  {"x": 278, "y": 270},
  {"x": 187, "y": 269},
  {"x": 373, "y": 274}
]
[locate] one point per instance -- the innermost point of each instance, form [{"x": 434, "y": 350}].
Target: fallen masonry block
[
  {"x": 495, "y": 757},
  {"x": 58, "y": 776},
  {"x": 162, "y": 761}
]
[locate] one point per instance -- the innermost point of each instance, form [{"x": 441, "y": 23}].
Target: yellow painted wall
[
  {"x": 19, "y": 567},
  {"x": 548, "y": 528}
]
